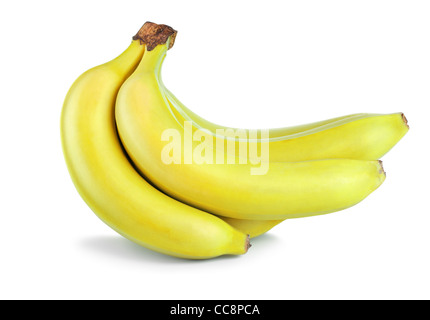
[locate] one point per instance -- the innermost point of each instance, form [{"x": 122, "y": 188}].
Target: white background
[{"x": 250, "y": 64}]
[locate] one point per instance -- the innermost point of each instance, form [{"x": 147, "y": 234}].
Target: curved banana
[
  {"x": 364, "y": 136},
  {"x": 286, "y": 190},
  {"x": 114, "y": 190}
]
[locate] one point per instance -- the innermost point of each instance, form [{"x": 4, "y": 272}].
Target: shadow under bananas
[{"x": 119, "y": 247}]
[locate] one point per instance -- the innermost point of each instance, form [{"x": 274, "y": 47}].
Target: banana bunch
[{"x": 175, "y": 183}]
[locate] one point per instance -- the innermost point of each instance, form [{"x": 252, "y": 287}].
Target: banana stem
[{"x": 152, "y": 34}]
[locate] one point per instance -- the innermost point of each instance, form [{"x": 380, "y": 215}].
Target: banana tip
[
  {"x": 404, "y": 119},
  {"x": 381, "y": 168},
  {"x": 247, "y": 243}
]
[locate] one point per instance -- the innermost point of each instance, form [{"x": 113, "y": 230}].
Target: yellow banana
[
  {"x": 362, "y": 136},
  {"x": 286, "y": 190},
  {"x": 114, "y": 190}
]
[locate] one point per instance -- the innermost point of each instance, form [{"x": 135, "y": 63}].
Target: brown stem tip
[
  {"x": 405, "y": 120},
  {"x": 381, "y": 169},
  {"x": 247, "y": 243},
  {"x": 152, "y": 34}
]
